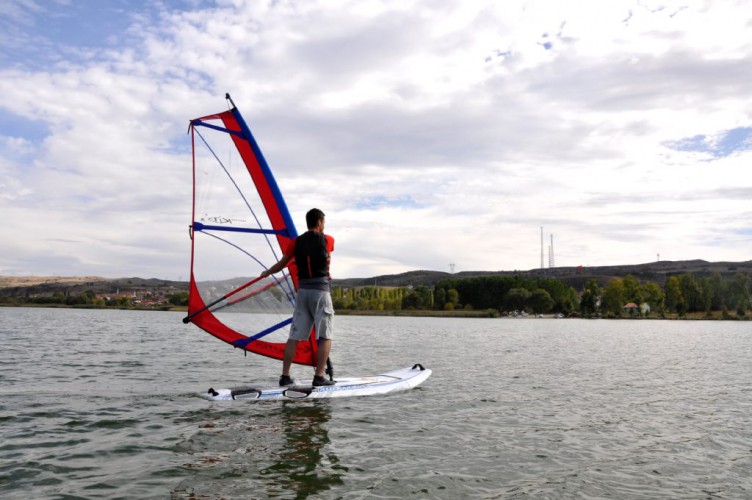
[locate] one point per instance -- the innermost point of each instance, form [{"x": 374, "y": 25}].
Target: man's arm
[{"x": 277, "y": 267}]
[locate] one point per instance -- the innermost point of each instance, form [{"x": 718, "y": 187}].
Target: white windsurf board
[{"x": 394, "y": 381}]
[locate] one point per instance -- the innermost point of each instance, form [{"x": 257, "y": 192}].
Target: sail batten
[
  {"x": 200, "y": 123},
  {"x": 245, "y": 342},
  {"x": 243, "y": 227},
  {"x": 198, "y": 226}
]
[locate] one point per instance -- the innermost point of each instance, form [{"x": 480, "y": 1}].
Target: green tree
[
  {"x": 486, "y": 292},
  {"x": 88, "y": 297},
  {"x": 570, "y": 303},
  {"x": 376, "y": 304},
  {"x": 453, "y": 297},
  {"x": 739, "y": 293},
  {"x": 691, "y": 292},
  {"x": 614, "y": 296},
  {"x": 342, "y": 298},
  {"x": 178, "y": 299},
  {"x": 516, "y": 299},
  {"x": 674, "y": 297},
  {"x": 540, "y": 301},
  {"x": 564, "y": 297},
  {"x": 590, "y": 298},
  {"x": 421, "y": 297},
  {"x": 411, "y": 301},
  {"x": 716, "y": 288},
  {"x": 632, "y": 290},
  {"x": 653, "y": 295},
  {"x": 441, "y": 298},
  {"x": 426, "y": 296}
]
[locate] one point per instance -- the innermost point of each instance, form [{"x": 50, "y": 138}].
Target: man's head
[{"x": 313, "y": 217}]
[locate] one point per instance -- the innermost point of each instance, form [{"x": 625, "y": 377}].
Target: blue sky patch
[
  {"x": 57, "y": 30},
  {"x": 727, "y": 143},
  {"x": 546, "y": 43},
  {"x": 17, "y": 126}
]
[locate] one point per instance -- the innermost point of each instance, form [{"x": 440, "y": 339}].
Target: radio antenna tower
[
  {"x": 541, "y": 247},
  {"x": 551, "y": 253}
]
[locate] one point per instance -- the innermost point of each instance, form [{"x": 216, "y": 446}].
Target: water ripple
[{"x": 515, "y": 409}]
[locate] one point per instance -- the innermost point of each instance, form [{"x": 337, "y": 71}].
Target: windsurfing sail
[{"x": 240, "y": 226}]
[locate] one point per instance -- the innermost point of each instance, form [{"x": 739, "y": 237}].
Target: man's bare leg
[
  {"x": 325, "y": 345},
  {"x": 289, "y": 354}
]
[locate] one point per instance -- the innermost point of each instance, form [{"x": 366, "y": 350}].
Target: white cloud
[{"x": 438, "y": 134}]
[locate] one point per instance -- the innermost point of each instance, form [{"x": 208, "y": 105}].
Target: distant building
[{"x": 631, "y": 308}]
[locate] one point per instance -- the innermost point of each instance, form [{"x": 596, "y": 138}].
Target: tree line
[
  {"x": 681, "y": 294},
  {"x": 89, "y": 298}
]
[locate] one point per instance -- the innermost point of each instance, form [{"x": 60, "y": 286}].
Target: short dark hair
[{"x": 313, "y": 217}]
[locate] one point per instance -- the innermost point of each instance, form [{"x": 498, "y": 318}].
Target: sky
[{"x": 436, "y": 135}]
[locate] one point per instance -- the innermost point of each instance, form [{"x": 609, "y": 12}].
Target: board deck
[{"x": 394, "y": 381}]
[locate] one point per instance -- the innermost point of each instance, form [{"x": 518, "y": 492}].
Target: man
[{"x": 313, "y": 307}]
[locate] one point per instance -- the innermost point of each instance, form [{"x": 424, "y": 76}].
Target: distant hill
[
  {"x": 31, "y": 285},
  {"x": 17, "y": 281},
  {"x": 576, "y": 277}
]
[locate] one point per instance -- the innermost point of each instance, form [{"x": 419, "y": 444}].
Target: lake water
[{"x": 105, "y": 404}]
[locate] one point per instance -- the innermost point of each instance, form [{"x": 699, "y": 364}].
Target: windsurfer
[{"x": 313, "y": 307}]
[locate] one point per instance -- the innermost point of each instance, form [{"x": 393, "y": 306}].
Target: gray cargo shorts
[{"x": 313, "y": 309}]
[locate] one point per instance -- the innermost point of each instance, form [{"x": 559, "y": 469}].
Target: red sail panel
[
  {"x": 210, "y": 324},
  {"x": 240, "y": 224},
  {"x": 263, "y": 186}
]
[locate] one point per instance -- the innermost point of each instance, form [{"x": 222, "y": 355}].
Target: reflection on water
[
  {"x": 304, "y": 464},
  {"x": 274, "y": 449}
]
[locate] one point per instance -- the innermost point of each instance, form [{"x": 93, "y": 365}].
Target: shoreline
[{"x": 427, "y": 313}]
